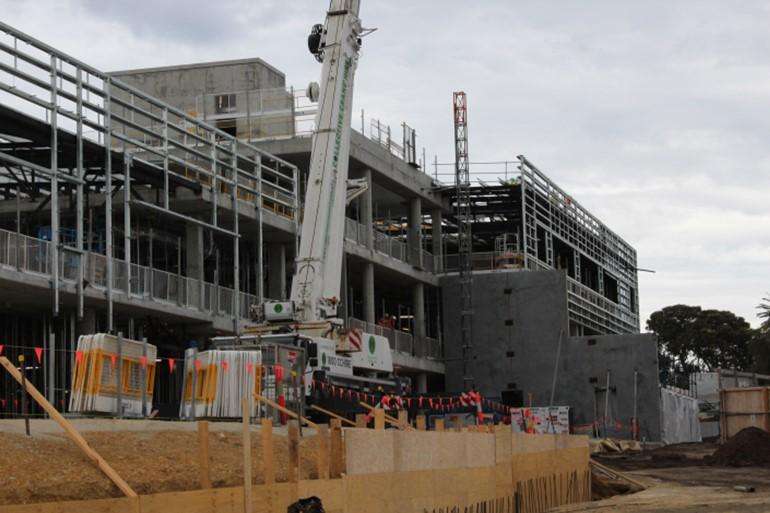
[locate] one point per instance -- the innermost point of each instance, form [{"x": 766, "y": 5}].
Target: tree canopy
[{"x": 691, "y": 339}]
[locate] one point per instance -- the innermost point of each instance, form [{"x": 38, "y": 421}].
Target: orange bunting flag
[
  {"x": 79, "y": 356},
  {"x": 197, "y": 364},
  {"x": 225, "y": 365},
  {"x": 250, "y": 368},
  {"x": 143, "y": 361},
  {"x": 39, "y": 354},
  {"x": 171, "y": 364},
  {"x": 113, "y": 360}
]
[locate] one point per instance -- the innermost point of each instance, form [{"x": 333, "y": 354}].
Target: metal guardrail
[
  {"x": 260, "y": 114},
  {"x": 390, "y": 246},
  {"x": 486, "y": 261},
  {"x": 401, "y": 341},
  {"x": 33, "y": 255},
  {"x": 114, "y": 114}
]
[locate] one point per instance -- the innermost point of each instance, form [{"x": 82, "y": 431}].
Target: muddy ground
[{"x": 680, "y": 479}]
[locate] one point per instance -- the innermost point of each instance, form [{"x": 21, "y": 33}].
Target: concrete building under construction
[{"x": 165, "y": 203}]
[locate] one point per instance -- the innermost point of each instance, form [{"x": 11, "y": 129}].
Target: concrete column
[
  {"x": 415, "y": 232},
  {"x": 367, "y": 213},
  {"x": 437, "y": 234},
  {"x": 195, "y": 260},
  {"x": 418, "y": 300},
  {"x": 421, "y": 384},
  {"x": 276, "y": 271},
  {"x": 194, "y": 251},
  {"x": 369, "y": 315}
]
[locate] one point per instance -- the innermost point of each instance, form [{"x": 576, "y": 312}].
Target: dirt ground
[
  {"x": 679, "y": 480},
  {"x": 54, "y": 469}
]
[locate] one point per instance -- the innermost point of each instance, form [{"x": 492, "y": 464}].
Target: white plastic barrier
[{"x": 679, "y": 417}]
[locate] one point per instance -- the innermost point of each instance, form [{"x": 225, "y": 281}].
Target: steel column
[
  {"x": 127, "y": 220},
  {"x": 236, "y": 245},
  {"x": 79, "y": 190},
  {"x": 54, "y": 190},
  {"x": 108, "y": 199}
]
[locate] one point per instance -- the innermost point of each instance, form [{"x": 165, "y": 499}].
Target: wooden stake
[
  {"x": 285, "y": 410},
  {"x": 438, "y": 425},
  {"x": 334, "y": 415},
  {"x": 335, "y": 464},
  {"x": 323, "y": 451},
  {"x": 293, "y": 451},
  {"x": 390, "y": 420},
  {"x": 268, "y": 465},
  {"x": 72, "y": 433},
  {"x": 247, "y": 500},
  {"x": 420, "y": 422},
  {"x": 403, "y": 419},
  {"x": 379, "y": 418},
  {"x": 203, "y": 453}
]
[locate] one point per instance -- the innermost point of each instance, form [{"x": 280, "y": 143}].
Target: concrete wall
[
  {"x": 181, "y": 85},
  {"x": 514, "y": 311},
  {"x": 586, "y": 358},
  {"x": 523, "y": 312}
]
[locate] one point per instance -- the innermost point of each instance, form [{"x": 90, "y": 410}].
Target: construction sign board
[{"x": 540, "y": 420}]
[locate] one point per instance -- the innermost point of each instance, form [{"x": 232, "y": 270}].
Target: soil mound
[{"x": 750, "y": 447}]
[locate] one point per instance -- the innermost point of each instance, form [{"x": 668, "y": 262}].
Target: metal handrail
[
  {"x": 401, "y": 341},
  {"x": 33, "y": 255},
  {"x": 174, "y": 135}
]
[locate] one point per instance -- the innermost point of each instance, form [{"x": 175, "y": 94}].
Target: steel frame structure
[
  {"x": 105, "y": 136},
  {"x": 516, "y": 197},
  {"x": 547, "y": 207}
]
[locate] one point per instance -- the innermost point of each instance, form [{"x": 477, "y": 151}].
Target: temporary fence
[
  {"x": 216, "y": 381},
  {"x": 113, "y": 375}
]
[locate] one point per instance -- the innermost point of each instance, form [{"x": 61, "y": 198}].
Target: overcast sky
[{"x": 654, "y": 115}]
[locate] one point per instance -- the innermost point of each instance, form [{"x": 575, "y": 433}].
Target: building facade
[{"x": 164, "y": 203}]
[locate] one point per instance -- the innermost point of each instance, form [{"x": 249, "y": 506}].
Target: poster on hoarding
[{"x": 540, "y": 420}]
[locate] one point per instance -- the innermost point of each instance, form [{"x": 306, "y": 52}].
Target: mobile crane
[{"x": 309, "y": 319}]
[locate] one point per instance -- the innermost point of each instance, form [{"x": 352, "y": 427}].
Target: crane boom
[{"x": 315, "y": 287}]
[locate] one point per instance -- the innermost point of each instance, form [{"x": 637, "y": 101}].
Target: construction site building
[{"x": 165, "y": 203}]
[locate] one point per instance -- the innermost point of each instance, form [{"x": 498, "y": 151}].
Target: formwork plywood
[
  {"x": 225, "y": 500},
  {"x": 450, "y": 450},
  {"x": 471, "y": 468},
  {"x": 369, "y": 451},
  {"x": 479, "y": 449},
  {"x": 742, "y": 408},
  {"x": 414, "y": 450},
  {"x": 121, "y": 505}
]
